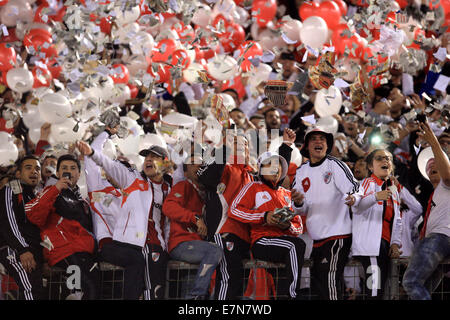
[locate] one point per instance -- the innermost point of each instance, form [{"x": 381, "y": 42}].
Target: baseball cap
[{"x": 155, "y": 149}]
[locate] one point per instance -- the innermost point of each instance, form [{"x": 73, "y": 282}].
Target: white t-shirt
[
  {"x": 325, "y": 186},
  {"x": 439, "y": 219}
]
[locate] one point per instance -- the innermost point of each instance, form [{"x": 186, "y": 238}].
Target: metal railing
[{"x": 180, "y": 277}]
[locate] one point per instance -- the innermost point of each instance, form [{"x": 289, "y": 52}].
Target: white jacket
[
  {"x": 131, "y": 226},
  {"x": 367, "y": 222},
  {"x": 105, "y": 200}
]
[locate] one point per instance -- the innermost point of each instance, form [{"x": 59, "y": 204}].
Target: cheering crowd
[{"x": 214, "y": 132}]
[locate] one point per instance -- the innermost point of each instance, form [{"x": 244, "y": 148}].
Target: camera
[{"x": 67, "y": 174}]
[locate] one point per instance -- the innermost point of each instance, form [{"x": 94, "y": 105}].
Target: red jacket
[
  {"x": 181, "y": 206},
  {"x": 64, "y": 236},
  {"x": 252, "y": 203},
  {"x": 235, "y": 177}
]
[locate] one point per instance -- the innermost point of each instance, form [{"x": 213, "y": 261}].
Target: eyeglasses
[{"x": 381, "y": 158}]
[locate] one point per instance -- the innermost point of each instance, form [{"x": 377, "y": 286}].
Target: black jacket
[{"x": 16, "y": 231}]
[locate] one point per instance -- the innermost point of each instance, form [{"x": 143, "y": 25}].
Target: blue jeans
[
  {"x": 207, "y": 255},
  {"x": 423, "y": 262}
]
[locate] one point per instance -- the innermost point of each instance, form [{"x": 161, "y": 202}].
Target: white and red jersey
[
  {"x": 104, "y": 199},
  {"x": 369, "y": 216},
  {"x": 325, "y": 186},
  {"x": 254, "y": 201},
  {"x": 132, "y": 225}
]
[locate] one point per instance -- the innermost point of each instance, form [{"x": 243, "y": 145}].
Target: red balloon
[
  {"x": 198, "y": 54},
  {"x": 3, "y": 2},
  {"x": 329, "y": 11},
  {"x": 181, "y": 57},
  {"x": 419, "y": 34},
  {"x": 162, "y": 75},
  {"x": 234, "y": 36},
  {"x": 186, "y": 33},
  {"x": 445, "y": 4},
  {"x": 355, "y": 43},
  {"x": 220, "y": 20},
  {"x": 106, "y": 24},
  {"x": 235, "y": 84},
  {"x": 342, "y": 6},
  {"x": 42, "y": 77},
  {"x": 447, "y": 20},
  {"x": 402, "y": 3},
  {"x": 11, "y": 37},
  {"x": 133, "y": 90},
  {"x": 121, "y": 76},
  {"x": 42, "y": 44},
  {"x": 28, "y": 38},
  {"x": 264, "y": 11},
  {"x": 57, "y": 16},
  {"x": 362, "y": 3},
  {"x": 308, "y": 9},
  {"x": 55, "y": 68},
  {"x": 7, "y": 57},
  {"x": 249, "y": 50},
  {"x": 163, "y": 50}
]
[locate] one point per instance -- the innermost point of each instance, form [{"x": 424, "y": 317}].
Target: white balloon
[
  {"x": 151, "y": 139},
  {"x": 129, "y": 145},
  {"x": 258, "y": 74},
  {"x": 8, "y": 150},
  {"x": 190, "y": 74},
  {"x": 15, "y": 11},
  {"x": 202, "y": 16},
  {"x": 109, "y": 149},
  {"x": 120, "y": 94},
  {"x": 241, "y": 15},
  {"x": 142, "y": 44},
  {"x": 63, "y": 132},
  {"x": 137, "y": 160},
  {"x": 180, "y": 119},
  {"x": 228, "y": 101},
  {"x": 222, "y": 67},
  {"x": 42, "y": 91},
  {"x": 126, "y": 33},
  {"x": 328, "y": 124},
  {"x": 127, "y": 16},
  {"x": 168, "y": 34},
  {"x": 225, "y": 8},
  {"x": 107, "y": 87},
  {"x": 34, "y": 133},
  {"x": 20, "y": 80},
  {"x": 314, "y": 32},
  {"x": 31, "y": 117},
  {"x": 328, "y": 101},
  {"x": 291, "y": 29},
  {"x": 136, "y": 64},
  {"x": 54, "y": 108}
]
